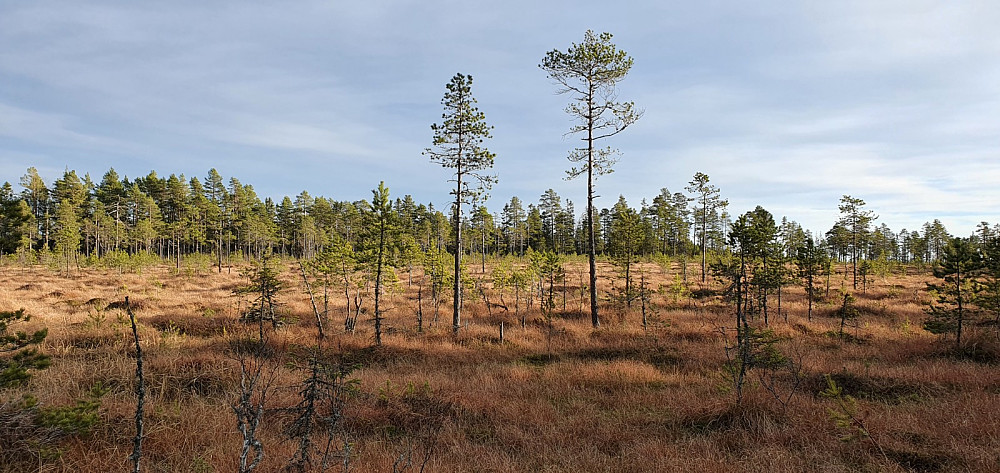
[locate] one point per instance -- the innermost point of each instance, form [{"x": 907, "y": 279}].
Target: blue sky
[{"x": 788, "y": 105}]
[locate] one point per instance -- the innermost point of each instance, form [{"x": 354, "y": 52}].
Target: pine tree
[
  {"x": 18, "y": 358},
  {"x": 197, "y": 232},
  {"x": 855, "y": 220},
  {"x": 515, "y": 226},
  {"x": 262, "y": 289},
  {"x": 176, "y": 214},
  {"x": 549, "y": 207},
  {"x": 110, "y": 194},
  {"x": 214, "y": 210},
  {"x": 337, "y": 261},
  {"x": 811, "y": 260},
  {"x": 380, "y": 241},
  {"x": 69, "y": 195},
  {"x": 285, "y": 220},
  {"x": 936, "y": 237},
  {"x": 590, "y": 72},
  {"x": 15, "y": 216},
  {"x": 625, "y": 239},
  {"x": 36, "y": 194},
  {"x": 959, "y": 262},
  {"x": 708, "y": 201},
  {"x": 768, "y": 276},
  {"x": 748, "y": 237},
  {"x": 458, "y": 144},
  {"x": 482, "y": 223},
  {"x": 669, "y": 219},
  {"x": 565, "y": 233},
  {"x": 534, "y": 228},
  {"x": 988, "y": 286},
  {"x": 144, "y": 216}
]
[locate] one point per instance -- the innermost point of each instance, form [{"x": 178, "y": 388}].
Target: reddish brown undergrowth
[{"x": 556, "y": 395}]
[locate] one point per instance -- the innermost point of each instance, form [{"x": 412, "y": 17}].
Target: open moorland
[{"x": 554, "y": 395}]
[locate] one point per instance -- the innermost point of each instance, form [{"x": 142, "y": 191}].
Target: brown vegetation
[{"x": 555, "y": 396}]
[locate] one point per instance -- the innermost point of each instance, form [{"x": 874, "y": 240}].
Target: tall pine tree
[
  {"x": 458, "y": 144},
  {"x": 590, "y": 72}
]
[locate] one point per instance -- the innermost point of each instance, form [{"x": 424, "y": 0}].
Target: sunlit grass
[{"x": 556, "y": 395}]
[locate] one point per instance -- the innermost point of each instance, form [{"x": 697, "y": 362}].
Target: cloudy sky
[{"x": 788, "y": 105}]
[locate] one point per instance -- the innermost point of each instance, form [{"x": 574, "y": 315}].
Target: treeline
[{"x": 176, "y": 216}]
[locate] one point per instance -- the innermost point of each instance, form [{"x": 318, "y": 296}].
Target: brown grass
[{"x": 556, "y": 396}]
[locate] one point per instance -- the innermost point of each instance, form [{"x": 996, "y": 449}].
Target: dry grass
[{"x": 556, "y": 395}]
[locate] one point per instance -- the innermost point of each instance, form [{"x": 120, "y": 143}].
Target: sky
[{"x": 787, "y": 105}]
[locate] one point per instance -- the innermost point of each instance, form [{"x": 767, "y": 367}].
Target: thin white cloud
[
  {"x": 297, "y": 136},
  {"x": 48, "y": 128}
]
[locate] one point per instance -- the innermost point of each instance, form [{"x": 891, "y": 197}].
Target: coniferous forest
[
  {"x": 79, "y": 222},
  {"x": 186, "y": 323}
]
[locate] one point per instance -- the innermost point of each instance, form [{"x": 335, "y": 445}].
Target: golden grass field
[{"x": 562, "y": 399}]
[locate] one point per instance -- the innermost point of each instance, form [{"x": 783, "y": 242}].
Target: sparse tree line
[
  {"x": 355, "y": 248},
  {"x": 175, "y": 217}
]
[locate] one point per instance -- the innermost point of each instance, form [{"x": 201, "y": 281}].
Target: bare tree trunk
[
  {"x": 810, "y": 294},
  {"x": 704, "y": 235},
  {"x": 140, "y": 391},
  {"x": 319, "y": 321},
  {"x": 517, "y": 303},
  {"x": 255, "y": 385},
  {"x": 456, "y": 315},
  {"x": 642, "y": 296},
  {"x": 958, "y": 330},
  {"x": 779, "y": 304},
  {"x": 420, "y": 307},
  {"x": 378, "y": 283},
  {"x": 591, "y": 255}
]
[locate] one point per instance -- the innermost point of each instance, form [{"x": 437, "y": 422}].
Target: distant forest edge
[{"x": 78, "y": 220}]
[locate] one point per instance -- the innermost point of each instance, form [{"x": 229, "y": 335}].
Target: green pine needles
[
  {"x": 957, "y": 267},
  {"x": 590, "y": 72},
  {"x": 18, "y": 357},
  {"x": 459, "y": 144}
]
